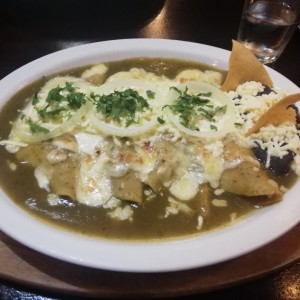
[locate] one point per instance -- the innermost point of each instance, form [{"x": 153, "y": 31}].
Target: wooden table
[{"x": 35, "y": 28}]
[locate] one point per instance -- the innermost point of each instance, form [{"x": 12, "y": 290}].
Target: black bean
[
  {"x": 267, "y": 90},
  {"x": 278, "y": 166},
  {"x": 237, "y": 97}
]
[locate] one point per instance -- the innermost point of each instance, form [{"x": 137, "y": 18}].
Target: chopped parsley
[
  {"x": 36, "y": 128},
  {"x": 213, "y": 127},
  {"x": 22, "y": 116},
  {"x": 121, "y": 105},
  {"x": 160, "y": 120},
  {"x": 150, "y": 94},
  {"x": 34, "y": 99},
  {"x": 192, "y": 107},
  {"x": 238, "y": 124},
  {"x": 60, "y": 101}
]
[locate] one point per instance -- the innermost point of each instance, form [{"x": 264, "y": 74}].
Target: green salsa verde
[{"x": 18, "y": 181}]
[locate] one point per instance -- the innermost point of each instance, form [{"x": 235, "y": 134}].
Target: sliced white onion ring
[
  {"x": 110, "y": 129},
  {"x": 21, "y": 129},
  {"x": 138, "y": 85},
  {"x": 22, "y": 132},
  {"x": 132, "y": 130},
  {"x": 227, "y": 121}
]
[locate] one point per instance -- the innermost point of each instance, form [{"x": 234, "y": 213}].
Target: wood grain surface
[{"x": 22, "y": 265}]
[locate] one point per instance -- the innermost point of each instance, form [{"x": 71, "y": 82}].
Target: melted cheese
[
  {"x": 105, "y": 149},
  {"x": 93, "y": 185}
]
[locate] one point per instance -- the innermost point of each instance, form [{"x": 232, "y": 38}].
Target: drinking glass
[{"x": 267, "y": 25}]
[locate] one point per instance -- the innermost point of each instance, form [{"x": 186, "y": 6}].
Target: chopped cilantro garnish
[
  {"x": 54, "y": 95},
  {"x": 190, "y": 107},
  {"x": 238, "y": 124},
  {"x": 193, "y": 127},
  {"x": 160, "y": 120},
  {"x": 213, "y": 127},
  {"x": 121, "y": 106},
  {"x": 221, "y": 109},
  {"x": 36, "y": 128},
  {"x": 60, "y": 100},
  {"x": 34, "y": 99},
  {"x": 76, "y": 100},
  {"x": 53, "y": 114},
  {"x": 150, "y": 94}
]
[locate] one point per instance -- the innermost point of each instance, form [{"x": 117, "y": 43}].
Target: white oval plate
[{"x": 247, "y": 235}]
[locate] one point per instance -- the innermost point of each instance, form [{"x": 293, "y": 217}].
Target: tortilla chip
[
  {"x": 244, "y": 66},
  {"x": 279, "y": 113}
]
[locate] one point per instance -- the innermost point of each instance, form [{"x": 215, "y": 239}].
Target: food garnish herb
[
  {"x": 160, "y": 120},
  {"x": 121, "y": 105},
  {"x": 150, "y": 94},
  {"x": 59, "y": 101},
  {"x": 36, "y": 128},
  {"x": 192, "y": 107},
  {"x": 34, "y": 99}
]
